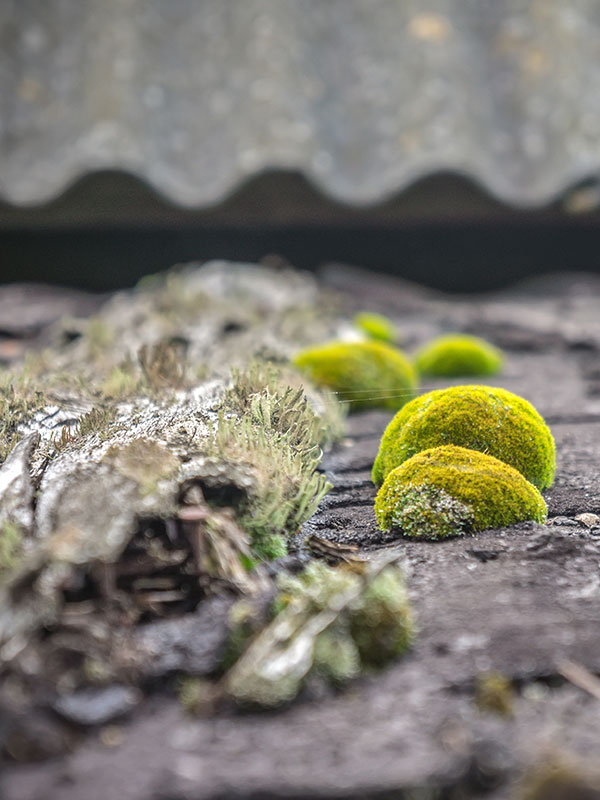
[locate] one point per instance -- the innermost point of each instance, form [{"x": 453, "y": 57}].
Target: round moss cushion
[
  {"x": 483, "y": 418},
  {"x": 362, "y": 374},
  {"x": 456, "y": 355},
  {"x": 376, "y": 326},
  {"x": 448, "y": 491}
]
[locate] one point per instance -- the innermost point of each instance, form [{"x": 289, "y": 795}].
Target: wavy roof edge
[
  {"x": 363, "y": 97},
  {"x": 186, "y": 198}
]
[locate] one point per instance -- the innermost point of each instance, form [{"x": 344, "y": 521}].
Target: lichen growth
[
  {"x": 377, "y": 327},
  {"x": 362, "y": 374},
  {"x": 493, "y": 493},
  {"x": 144, "y": 461},
  {"x": 491, "y": 420},
  {"x": 458, "y": 354}
]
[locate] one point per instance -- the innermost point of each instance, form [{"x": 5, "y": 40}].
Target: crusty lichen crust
[
  {"x": 492, "y": 420},
  {"x": 486, "y": 493},
  {"x": 363, "y": 374},
  {"x": 457, "y": 355}
]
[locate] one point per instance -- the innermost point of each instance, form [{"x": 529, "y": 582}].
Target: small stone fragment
[
  {"x": 588, "y": 519},
  {"x": 565, "y": 522},
  {"x": 91, "y": 707}
]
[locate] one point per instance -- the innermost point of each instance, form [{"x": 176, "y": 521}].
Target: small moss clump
[
  {"x": 273, "y": 433},
  {"x": 363, "y": 374},
  {"x": 487, "y": 494},
  {"x": 494, "y": 693},
  {"x": 381, "y": 622},
  {"x": 483, "y": 418},
  {"x": 376, "y": 627},
  {"x": 376, "y": 326},
  {"x": 458, "y": 354}
]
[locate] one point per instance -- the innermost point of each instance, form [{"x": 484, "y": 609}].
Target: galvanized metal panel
[{"x": 363, "y": 96}]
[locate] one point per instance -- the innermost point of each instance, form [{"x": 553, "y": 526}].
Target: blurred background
[{"x": 453, "y": 142}]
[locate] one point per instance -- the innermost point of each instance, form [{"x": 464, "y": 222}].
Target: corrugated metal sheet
[{"x": 363, "y": 96}]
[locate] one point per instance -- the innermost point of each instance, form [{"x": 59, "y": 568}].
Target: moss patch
[
  {"x": 362, "y": 374},
  {"x": 456, "y": 355},
  {"x": 490, "y": 494},
  {"x": 269, "y": 428},
  {"x": 490, "y": 420},
  {"x": 376, "y": 326}
]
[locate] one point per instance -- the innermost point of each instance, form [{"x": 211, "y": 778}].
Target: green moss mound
[
  {"x": 483, "y": 418},
  {"x": 377, "y": 327},
  {"x": 363, "y": 374},
  {"x": 448, "y": 491},
  {"x": 456, "y": 355}
]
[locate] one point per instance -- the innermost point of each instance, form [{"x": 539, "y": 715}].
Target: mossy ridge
[
  {"x": 270, "y": 427},
  {"x": 458, "y": 354},
  {"x": 377, "y": 327},
  {"x": 363, "y": 374},
  {"x": 495, "y": 493},
  {"x": 484, "y": 418}
]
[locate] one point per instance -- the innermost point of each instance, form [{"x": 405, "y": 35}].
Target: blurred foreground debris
[{"x": 335, "y": 622}]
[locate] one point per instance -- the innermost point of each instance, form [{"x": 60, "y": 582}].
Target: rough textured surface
[
  {"x": 363, "y": 96},
  {"x": 518, "y": 601}
]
